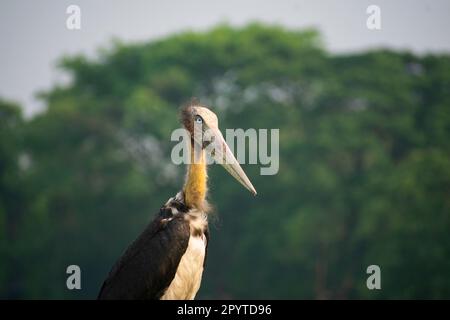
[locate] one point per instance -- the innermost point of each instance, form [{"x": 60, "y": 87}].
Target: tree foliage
[{"x": 364, "y": 167}]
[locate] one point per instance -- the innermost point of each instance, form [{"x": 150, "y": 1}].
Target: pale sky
[{"x": 34, "y": 34}]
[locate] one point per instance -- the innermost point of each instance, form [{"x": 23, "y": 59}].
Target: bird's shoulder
[{"x": 175, "y": 207}]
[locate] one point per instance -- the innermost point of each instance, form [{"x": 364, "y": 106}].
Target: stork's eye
[{"x": 198, "y": 119}]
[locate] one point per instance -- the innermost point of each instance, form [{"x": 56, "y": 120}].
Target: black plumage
[{"x": 148, "y": 266}]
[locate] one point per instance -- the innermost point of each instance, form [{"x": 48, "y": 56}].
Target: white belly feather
[{"x": 186, "y": 282}]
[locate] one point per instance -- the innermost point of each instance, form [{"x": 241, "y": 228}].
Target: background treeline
[{"x": 364, "y": 167}]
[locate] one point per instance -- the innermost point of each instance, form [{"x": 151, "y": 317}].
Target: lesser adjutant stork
[{"x": 166, "y": 261}]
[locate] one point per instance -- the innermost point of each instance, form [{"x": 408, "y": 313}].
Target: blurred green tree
[
  {"x": 364, "y": 167},
  {"x": 11, "y": 196}
]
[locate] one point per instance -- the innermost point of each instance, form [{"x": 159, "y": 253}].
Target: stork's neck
[{"x": 195, "y": 188}]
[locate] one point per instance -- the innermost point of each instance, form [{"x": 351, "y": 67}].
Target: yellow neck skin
[{"x": 195, "y": 188}]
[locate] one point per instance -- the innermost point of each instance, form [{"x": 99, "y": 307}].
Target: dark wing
[{"x": 149, "y": 264}]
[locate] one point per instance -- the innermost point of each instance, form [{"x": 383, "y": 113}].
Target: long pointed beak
[{"x": 223, "y": 155}]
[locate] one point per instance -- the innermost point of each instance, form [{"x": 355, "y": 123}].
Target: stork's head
[{"x": 203, "y": 127}]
